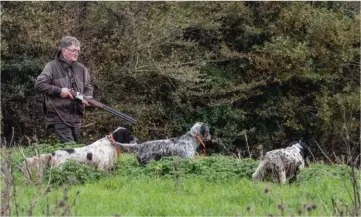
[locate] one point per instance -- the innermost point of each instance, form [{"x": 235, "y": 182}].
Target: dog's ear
[
  {"x": 306, "y": 151},
  {"x": 127, "y": 136},
  {"x": 203, "y": 130}
]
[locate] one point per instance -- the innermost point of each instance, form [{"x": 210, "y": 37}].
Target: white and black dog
[
  {"x": 282, "y": 163},
  {"x": 101, "y": 154},
  {"x": 184, "y": 146}
]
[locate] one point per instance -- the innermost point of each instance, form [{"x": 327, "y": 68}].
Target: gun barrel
[
  {"x": 105, "y": 107},
  {"x": 115, "y": 112}
]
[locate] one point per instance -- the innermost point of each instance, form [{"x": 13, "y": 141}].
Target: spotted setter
[
  {"x": 282, "y": 164},
  {"x": 102, "y": 154},
  {"x": 184, "y": 146}
]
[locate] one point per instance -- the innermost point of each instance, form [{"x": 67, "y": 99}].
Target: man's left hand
[{"x": 85, "y": 102}]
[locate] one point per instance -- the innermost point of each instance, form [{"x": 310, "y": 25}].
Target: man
[{"x": 64, "y": 113}]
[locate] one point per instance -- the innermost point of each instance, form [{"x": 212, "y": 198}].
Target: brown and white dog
[
  {"x": 282, "y": 164},
  {"x": 101, "y": 154}
]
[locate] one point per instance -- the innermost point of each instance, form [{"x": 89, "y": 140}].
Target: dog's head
[
  {"x": 123, "y": 135},
  {"x": 202, "y": 130},
  {"x": 304, "y": 149}
]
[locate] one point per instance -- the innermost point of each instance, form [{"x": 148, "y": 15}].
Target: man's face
[{"x": 71, "y": 53}]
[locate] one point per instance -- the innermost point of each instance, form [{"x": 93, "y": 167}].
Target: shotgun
[{"x": 97, "y": 104}]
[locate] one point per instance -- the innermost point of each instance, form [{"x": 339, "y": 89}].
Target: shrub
[
  {"x": 215, "y": 168},
  {"x": 320, "y": 171},
  {"x": 73, "y": 173}
]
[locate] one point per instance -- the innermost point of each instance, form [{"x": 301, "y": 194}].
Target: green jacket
[{"x": 54, "y": 77}]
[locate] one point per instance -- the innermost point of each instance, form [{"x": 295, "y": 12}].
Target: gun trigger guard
[{"x": 79, "y": 96}]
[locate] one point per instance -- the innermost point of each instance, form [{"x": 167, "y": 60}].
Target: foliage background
[{"x": 260, "y": 73}]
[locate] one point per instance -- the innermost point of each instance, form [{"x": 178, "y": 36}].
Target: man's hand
[
  {"x": 86, "y": 103},
  {"x": 65, "y": 92}
]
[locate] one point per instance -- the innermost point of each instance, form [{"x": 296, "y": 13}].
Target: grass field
[{"x": 214, "y": 186}]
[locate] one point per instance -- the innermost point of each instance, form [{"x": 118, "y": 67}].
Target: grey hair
[{"x": 68, "y": 41}]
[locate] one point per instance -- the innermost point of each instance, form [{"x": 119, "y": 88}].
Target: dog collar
[
  {"x": 202, "y": 143},
  {"x": 113, "y": 142}
]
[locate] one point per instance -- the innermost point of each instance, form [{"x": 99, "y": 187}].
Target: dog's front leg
[
  {"x": 282, "y": 176},
  {"x": 293, "y": 179}
]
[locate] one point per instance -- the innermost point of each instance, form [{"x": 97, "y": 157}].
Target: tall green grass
[
  {"x": 196, "y": 196},
  {"x": 214, "y": 186}
]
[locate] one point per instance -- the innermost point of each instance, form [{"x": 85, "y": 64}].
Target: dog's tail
[
  {"x": 258, "y": 175},
  {"x": 127, "y": 147}
]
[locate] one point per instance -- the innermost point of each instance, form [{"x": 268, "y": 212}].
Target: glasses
[{"x": 73, "y": 51}]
